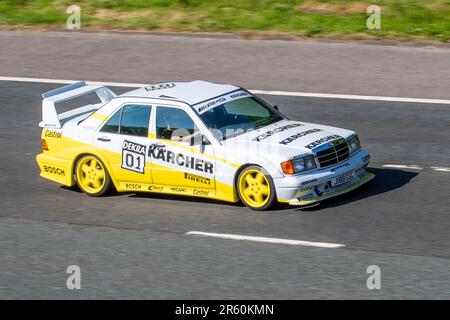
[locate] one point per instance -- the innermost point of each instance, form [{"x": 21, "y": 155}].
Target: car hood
[{"x": 286, "y": 139}]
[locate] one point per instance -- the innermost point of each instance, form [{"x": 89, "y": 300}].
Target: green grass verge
[{"x": 400, "y": 19}]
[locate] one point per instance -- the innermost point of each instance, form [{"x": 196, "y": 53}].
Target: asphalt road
[
  {"x": 134, "y": 245},
  {"x": 308, "y": 66}
]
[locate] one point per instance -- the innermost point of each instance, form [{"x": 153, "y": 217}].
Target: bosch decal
[{"x": 54, "y": 170}]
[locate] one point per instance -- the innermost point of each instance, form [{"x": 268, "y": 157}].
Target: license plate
[{"x": 343, "y": 178}]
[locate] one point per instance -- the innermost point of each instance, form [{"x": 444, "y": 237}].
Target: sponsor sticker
[
  {"x": 159, "y": 152},
  {"x": 160, "y": 86},
  {"x": 298, "y": 136},
  {"x": 308, "y": 182},
  {"x": 196, "y": 178},
  {"x": 133, "y": 186},
  {"x": 155, "y": 188},
  {"x": 133, "y": 156},
  {"x": 307, "y": 197},
  {"x": 321, "y": 141},
  {"x": 212, "y": 103},
  {"x": 270, "y": 133},
  {"x": 52, "y": 134},
  {"x": 199, "y": 192},
  {"x": 178, "y": 189},
  {"x": 54, "y": 170}
]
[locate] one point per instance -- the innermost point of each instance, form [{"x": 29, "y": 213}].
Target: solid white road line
[
  {"x": 266, "y": 92},
  {"x": 265, "y": 239},
  {"x": 402, "y": 166},
  {"x": 350, "y": 96}
]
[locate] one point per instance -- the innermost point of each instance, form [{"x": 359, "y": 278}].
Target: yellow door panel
[{"x": 176, "y": 166}]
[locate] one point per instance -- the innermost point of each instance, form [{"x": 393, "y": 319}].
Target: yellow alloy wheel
[
  {"x": 91, "y": 175},
  {"x": 254, "y": 188}
]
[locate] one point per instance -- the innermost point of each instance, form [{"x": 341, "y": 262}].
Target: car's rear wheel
[
  {"x": 92, "y": 177},
  {"x": 256, "y": 188}
]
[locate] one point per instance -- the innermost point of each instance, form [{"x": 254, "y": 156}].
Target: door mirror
[
  {"x": 276, "y": 107},
  {"x": 205, "y": 141}
]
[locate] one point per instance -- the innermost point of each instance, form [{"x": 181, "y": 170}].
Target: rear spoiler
[{"x": 50, "y": 116}]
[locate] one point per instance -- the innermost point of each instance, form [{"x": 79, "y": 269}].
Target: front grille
[{"x": 333, "y": 155}]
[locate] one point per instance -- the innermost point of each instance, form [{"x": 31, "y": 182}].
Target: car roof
[{"x": 192, "y": 92}]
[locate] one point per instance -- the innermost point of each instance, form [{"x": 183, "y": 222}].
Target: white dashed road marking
[
  {"x": 265, "y": 239},
  {"x": 402, "y": 166},
  {"x": 414, "y": 167},
  {"x": 441, "y": 169}
]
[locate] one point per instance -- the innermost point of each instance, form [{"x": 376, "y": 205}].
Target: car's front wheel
[
  {"x": 92, "y": 177},
  {"x": 256, "y": 188}
]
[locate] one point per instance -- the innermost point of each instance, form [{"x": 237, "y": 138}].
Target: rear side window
[
  {"x": 135, "y": 120},
  {"x": 130, "y": 120}
]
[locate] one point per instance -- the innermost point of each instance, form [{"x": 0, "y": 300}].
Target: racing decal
[
  {"x": 189, "y": 191},
  {"x": 321, "y": 141},
  {"x": 298, "y": 135},
  {"x": 155, "y": 188},
  {"x": 339, "y": 167},
  {"x": 178, "y": 189},
  {"x": 133, "y": 186},
  {"x": 52, "y": 134},
  {"x": 277, "y": 130},
  {"x": 159, "y": 152},
  {"x": 308, "y": 182},
  {"x": 205, "y": 106},
  {"x": 160, "y": 86},
  {"x": 196, "y": 178},
  {"x": 133, "y": 156},
  {"x": 307, "y": 197},
  {"x": 54, "y": 170},
  {"x": 199, "y": 192}
]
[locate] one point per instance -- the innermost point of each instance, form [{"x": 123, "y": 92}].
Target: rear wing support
[{"x": 50, "y": 116}]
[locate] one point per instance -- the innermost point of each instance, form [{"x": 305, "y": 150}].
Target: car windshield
[{"x": 239, "y": 116}]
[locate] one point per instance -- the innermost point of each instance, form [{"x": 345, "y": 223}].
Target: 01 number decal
[{"x": 133, "y": 156}]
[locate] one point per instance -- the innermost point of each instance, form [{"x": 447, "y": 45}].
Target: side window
[
  {"x": 130, "y": 119},
  {"x": 113, "y": 123},
  {"x": 135, "y": 120},
  {"x": 174, "y": 124}
]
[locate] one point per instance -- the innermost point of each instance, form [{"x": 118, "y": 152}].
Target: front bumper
[{"x": 308, "y": 188}]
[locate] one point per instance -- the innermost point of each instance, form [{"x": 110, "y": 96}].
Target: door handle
[{"x": 106, "y": 139}]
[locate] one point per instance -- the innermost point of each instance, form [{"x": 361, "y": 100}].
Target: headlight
[
  {"x": 354, "y": 144},
  {"x": 299, "y": 164}
]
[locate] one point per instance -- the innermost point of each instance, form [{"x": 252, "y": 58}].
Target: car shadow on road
[
  {"x": 175, "y": 197},
  {"x": 385, "y": 180}
]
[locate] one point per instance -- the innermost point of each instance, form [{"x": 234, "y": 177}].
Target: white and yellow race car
[{"x": 195, "y": 139}]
